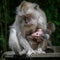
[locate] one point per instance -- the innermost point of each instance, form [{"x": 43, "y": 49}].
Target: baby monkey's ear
[{"x": 51, "y": 27}]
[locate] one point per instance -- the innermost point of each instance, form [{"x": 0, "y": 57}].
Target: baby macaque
[
  {"x": 40, "y": 36},
  {"x": 34, "y": 38}
]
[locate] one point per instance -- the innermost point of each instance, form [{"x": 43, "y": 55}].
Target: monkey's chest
[{"x": 27, "y": 30}]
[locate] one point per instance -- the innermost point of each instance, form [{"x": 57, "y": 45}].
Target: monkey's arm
[{"x": 13, "y": 42}]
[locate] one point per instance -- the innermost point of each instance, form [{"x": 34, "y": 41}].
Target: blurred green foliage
[{"x": 7, "y": 16}]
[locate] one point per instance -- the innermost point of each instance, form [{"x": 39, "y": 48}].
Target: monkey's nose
[
  {"x": 27, "y": 22},
  {"x": 27, "y": 19}
]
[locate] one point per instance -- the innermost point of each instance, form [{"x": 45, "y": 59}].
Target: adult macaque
[{"x": 28, "y": 17}]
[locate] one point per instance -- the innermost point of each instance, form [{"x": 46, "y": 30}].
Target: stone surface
[{"x": 56, "y": 53}]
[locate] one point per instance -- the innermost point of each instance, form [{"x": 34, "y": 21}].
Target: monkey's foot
[
  {"x": 30, "y": 52},
  {"x": 40, "y": 51},
  {"x": 22, "y": 52}
]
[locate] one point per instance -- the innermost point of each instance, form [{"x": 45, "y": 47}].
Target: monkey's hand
[
  {"x": 40, "y": 51},
  {"x": 45, "y": 36},
  {"x": 30, "y": 52}
]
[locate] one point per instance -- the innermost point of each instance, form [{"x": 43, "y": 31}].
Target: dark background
[{"x": 7, "y": 16}]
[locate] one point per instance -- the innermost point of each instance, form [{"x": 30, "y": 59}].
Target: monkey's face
[{"x": 29, "y": 12}]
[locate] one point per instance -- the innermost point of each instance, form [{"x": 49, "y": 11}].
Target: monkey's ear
[
  {"x": 51, "y": 26},
  {"x": 36, "y": 6}
]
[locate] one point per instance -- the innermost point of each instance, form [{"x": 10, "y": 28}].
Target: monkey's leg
[
  {"x": 49, "y": 45},
  {"x": 45, "y": 37},
  {"x": 39, "y": 49},
  {"x": 13, "y": 43},
  {"x": 42, "y": 47},
  {"x": 24, "y": 43},
  {"x": 44, "y": 44}
]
